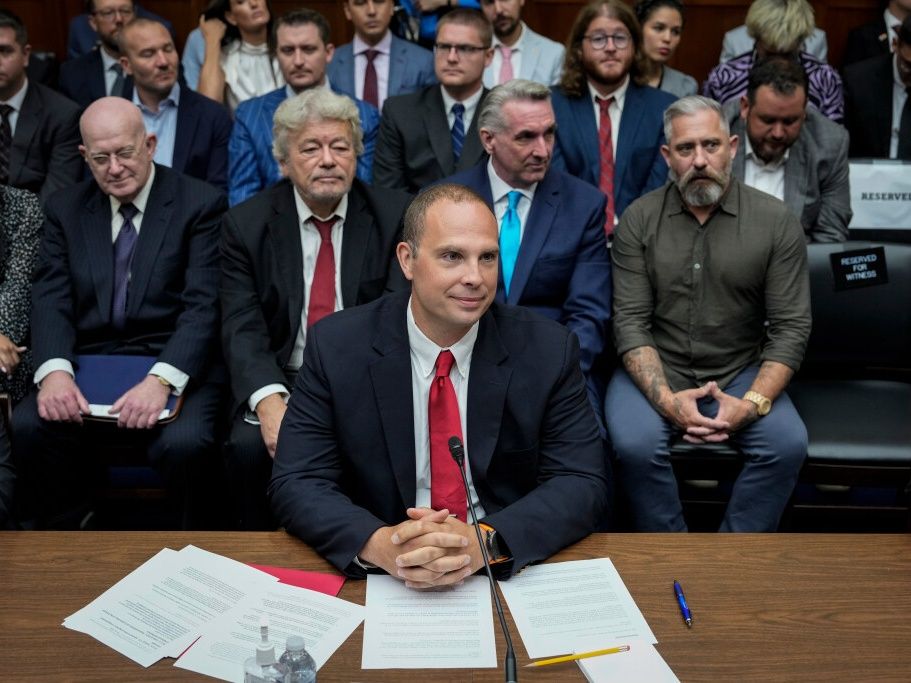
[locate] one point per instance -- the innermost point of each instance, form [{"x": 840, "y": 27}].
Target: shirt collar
[
  {"x": 172, "y": 100},
  {"x": 619, "y": 94},
  {"x": 106, "y": 60},
  {"x": 517, "y": 46},
  {"x": 141, "y": 199},
  {"x": 304, "y": 213},
  {"x": 469, "y": 102},
  {"x": 427, "y": 351},
  {"x": 16, "y": 100},
  {"x": 499, "y": 188},
  {"x": 890, "y": 20},
  {"x": 772, "y": 166},
  {"x": 384, "y": 46}
]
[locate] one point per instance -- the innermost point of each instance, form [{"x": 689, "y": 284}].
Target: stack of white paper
[{"x": 641, "y": 664}]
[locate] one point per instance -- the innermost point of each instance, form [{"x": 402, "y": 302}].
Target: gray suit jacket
[
  {"x": 542, "y": 60},
  {"x": 678, "y": 83},
  {"x": 816, "y": 185},
  {"x": 737, "y": 41}
]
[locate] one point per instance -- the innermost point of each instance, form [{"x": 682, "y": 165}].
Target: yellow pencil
[{"x": 582, "y": 655}]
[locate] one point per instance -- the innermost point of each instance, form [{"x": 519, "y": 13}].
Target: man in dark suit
[
  {"x": 791, "y": 151},
  {"x": 877, "y": 106},
  {"x": 553, "y": 255},
  {"x": 363, "y": 471},
  {"x": 39, "y": 135},
  {"x": 192, "y": 131},
  {"x": 127, "y": 265},
  {"x": 377, "y": 64},
  {"x": 98, "y": 73},
  {"x": 431, "y": 134},
  {"x": 279, "y": 276},
  {"x": 876, "y": 37},
  {"x": 609, "y": 128}
]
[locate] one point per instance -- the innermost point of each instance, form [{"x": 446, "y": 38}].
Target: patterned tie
[
  {"x": 322, "y": 289},
  {"x": 904, "y": 130},
  {"x": 117, "y": 88},
  {"x": 506, "y": 65},
  {"x": 458, "y": 131},
  {"x": 6, "y": 142},
  {"x": 371, "y": 90},
  {"x": 606, "y": 150},
  {"x": 510, "y": 237},
  {"x": 446, "y": 489},
  {"x": 124, "y": 246}
]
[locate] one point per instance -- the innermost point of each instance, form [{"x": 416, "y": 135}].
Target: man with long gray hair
[
  {"x": 711, "y": 319},
  {"x": 317, "y": 242}
]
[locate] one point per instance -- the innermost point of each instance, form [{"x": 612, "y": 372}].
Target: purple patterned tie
[{"x": 124, "y": 246}]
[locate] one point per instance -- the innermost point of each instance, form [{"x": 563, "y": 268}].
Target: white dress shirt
[
  {"x": 175, "y": 377},
  {"x": 768, "y": 178},
  {"x": 899, "y": 97},
  {"x": 380, "y": 64},
  {"x": 423, "y": 367},
  {"x": 310, "y": 244},
  {"x": 615, "y": 110},
  {"x": 16, "y": 103},
  {"x": 891, "y": 34},
  {"x": 471, "y": 106},
  {"x": 515, "y": 58},
  {"x": 500, "y": 189}
]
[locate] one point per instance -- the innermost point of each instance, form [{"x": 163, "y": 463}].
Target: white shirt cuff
[
  {"x": 267, "y": 390},
  {"x": 49, "y": 366},
  {"x": 175, "y": 377}
]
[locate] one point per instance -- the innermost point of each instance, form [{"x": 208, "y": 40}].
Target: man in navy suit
[
  {"x": 363, "y": 471},
  {"x": 192, "y": 131},
  {"x": 128, "y": 265},
  {"x": 99, "y": 73},
  {"x": 303, "y": 51},
  {"x": 377, "y": 64},
  {"x": 553, "y": 255},
  {"x": 609, "y": 128}
]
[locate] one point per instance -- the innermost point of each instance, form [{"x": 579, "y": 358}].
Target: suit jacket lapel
[
  {"x": 391, "y": 378},
  {"x": 587, "y": 132},
  {"x": 487, "y": 385},
  {"x": 187, "y": 122},
  {"x": 472, "y": 149},
  {"x": 355, "y": 238},
  {"x": 795, "y": 177},
  {"x": 99, "y": 247},
  {"x": 154, "y": 227},
  {"x": 739, "y": 168},
  {"x": 541, "y": 218},
  {"x": 433, "y": 113},
  {"x": 629, "y": 128},
  {"x": 26, "y": 127},
  {"x": 398, "y": 63},
  {"x": 283, "y": 230},
  {"x": 530, "y": 58}
]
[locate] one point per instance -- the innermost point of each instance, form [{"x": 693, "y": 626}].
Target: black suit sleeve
[{"x": 217, "y": 172}]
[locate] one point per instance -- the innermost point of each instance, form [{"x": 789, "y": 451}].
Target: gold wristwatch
[
  {"x": 163, "y": 382},
  {"x": 763, "y": 404}
]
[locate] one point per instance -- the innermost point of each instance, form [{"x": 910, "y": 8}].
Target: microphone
[{"x": 457, "y": 451}]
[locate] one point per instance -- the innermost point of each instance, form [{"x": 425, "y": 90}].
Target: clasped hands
[
  {"x": 734, "y": 413},
  {"x": 60, "y": 400},
  {"x": 428, "y": 550}
]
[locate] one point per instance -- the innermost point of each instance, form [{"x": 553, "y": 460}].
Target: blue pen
[{"x": 681, "y": 600}]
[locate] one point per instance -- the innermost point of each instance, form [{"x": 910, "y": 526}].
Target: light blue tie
[
  {"x": 458, "y": 131},
  {"x": 510, "y": 236}
]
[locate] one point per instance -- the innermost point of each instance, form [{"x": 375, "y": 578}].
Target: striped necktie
[{"x": 458, "y": 131}]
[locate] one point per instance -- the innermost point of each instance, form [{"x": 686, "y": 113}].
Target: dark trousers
[
  {"x": 774, "y": 448},
  {"x": 57, "y": 462},
  {"x": 248, "y": 468}
]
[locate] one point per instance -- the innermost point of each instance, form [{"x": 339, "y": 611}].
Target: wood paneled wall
[{"x": 706, "y": 22}]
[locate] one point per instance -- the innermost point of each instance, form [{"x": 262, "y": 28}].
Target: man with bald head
[{"x": 127, "y": 266}]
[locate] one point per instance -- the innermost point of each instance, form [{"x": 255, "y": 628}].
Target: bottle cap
[
  {"x": 265, "y": 651},
  {"x": 295, "y": 643}
]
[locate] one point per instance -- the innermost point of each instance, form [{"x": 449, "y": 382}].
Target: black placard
[{"x": 859, "y": 268}]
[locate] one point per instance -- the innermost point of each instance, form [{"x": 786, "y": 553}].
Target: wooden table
[{"x": 773, "y": 607}]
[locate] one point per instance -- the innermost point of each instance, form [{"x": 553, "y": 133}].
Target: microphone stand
[{"x": 457, "y": 451}]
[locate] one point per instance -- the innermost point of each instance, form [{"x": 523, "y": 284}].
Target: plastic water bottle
[
  {"x": 263, "y": 668},
  {"x": 300, "y": 664}
]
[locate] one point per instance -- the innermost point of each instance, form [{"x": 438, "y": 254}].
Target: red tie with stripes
[
  {"x": 446, "y": 489},
  {"x": 322, "y": 289},
  {"x": 606, "y": 149}
]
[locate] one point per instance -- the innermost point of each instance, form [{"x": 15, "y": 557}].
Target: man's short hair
[
  {"x": 780, "y": 25},
  {"x": 416, "y": 214},
  {"x": 315, "y": 104},
  {"x": 519, "y": 89},
  {"x": 136, "y": 22},
  {"x": 690, "y": 106},
  {"x": 465, "y": 16},
  {"x": 90, "y": 5},
  {"x": 782, "y": 74},
  {"x": 301, "y": 17},
  {"x": 12, "y": 21}
]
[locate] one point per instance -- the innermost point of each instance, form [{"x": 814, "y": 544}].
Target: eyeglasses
[
  {"x": 461, "y": 50},
  {"x": 104, "y": 160},
  {"x": 108, "y": 14},
  {"x": 599, "y": 40}
]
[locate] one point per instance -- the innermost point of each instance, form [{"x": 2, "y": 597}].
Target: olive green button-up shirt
[{"x": 713, "y": 298}]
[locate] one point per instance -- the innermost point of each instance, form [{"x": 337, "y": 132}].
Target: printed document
[
  {"x": 450, "y": 628},
  {"x": 557, "y": 605}
]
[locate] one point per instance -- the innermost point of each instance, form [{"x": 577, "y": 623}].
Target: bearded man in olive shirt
[{"x": 711, "y": 319}]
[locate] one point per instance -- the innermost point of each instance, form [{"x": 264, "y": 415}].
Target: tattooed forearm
[{"x": 644, "y": 366}]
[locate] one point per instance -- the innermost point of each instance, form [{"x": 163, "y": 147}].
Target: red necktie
[
  {"x": 322, "y": 289},
  {"x": 606, "y": 177},
  {"x": 446, "y": 488},
  {"x": 371, "y": 90}
]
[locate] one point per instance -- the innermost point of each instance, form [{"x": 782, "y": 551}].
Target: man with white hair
[
  {"x": 318, "y": 241},
  {"x": 711, "y": 319}
]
